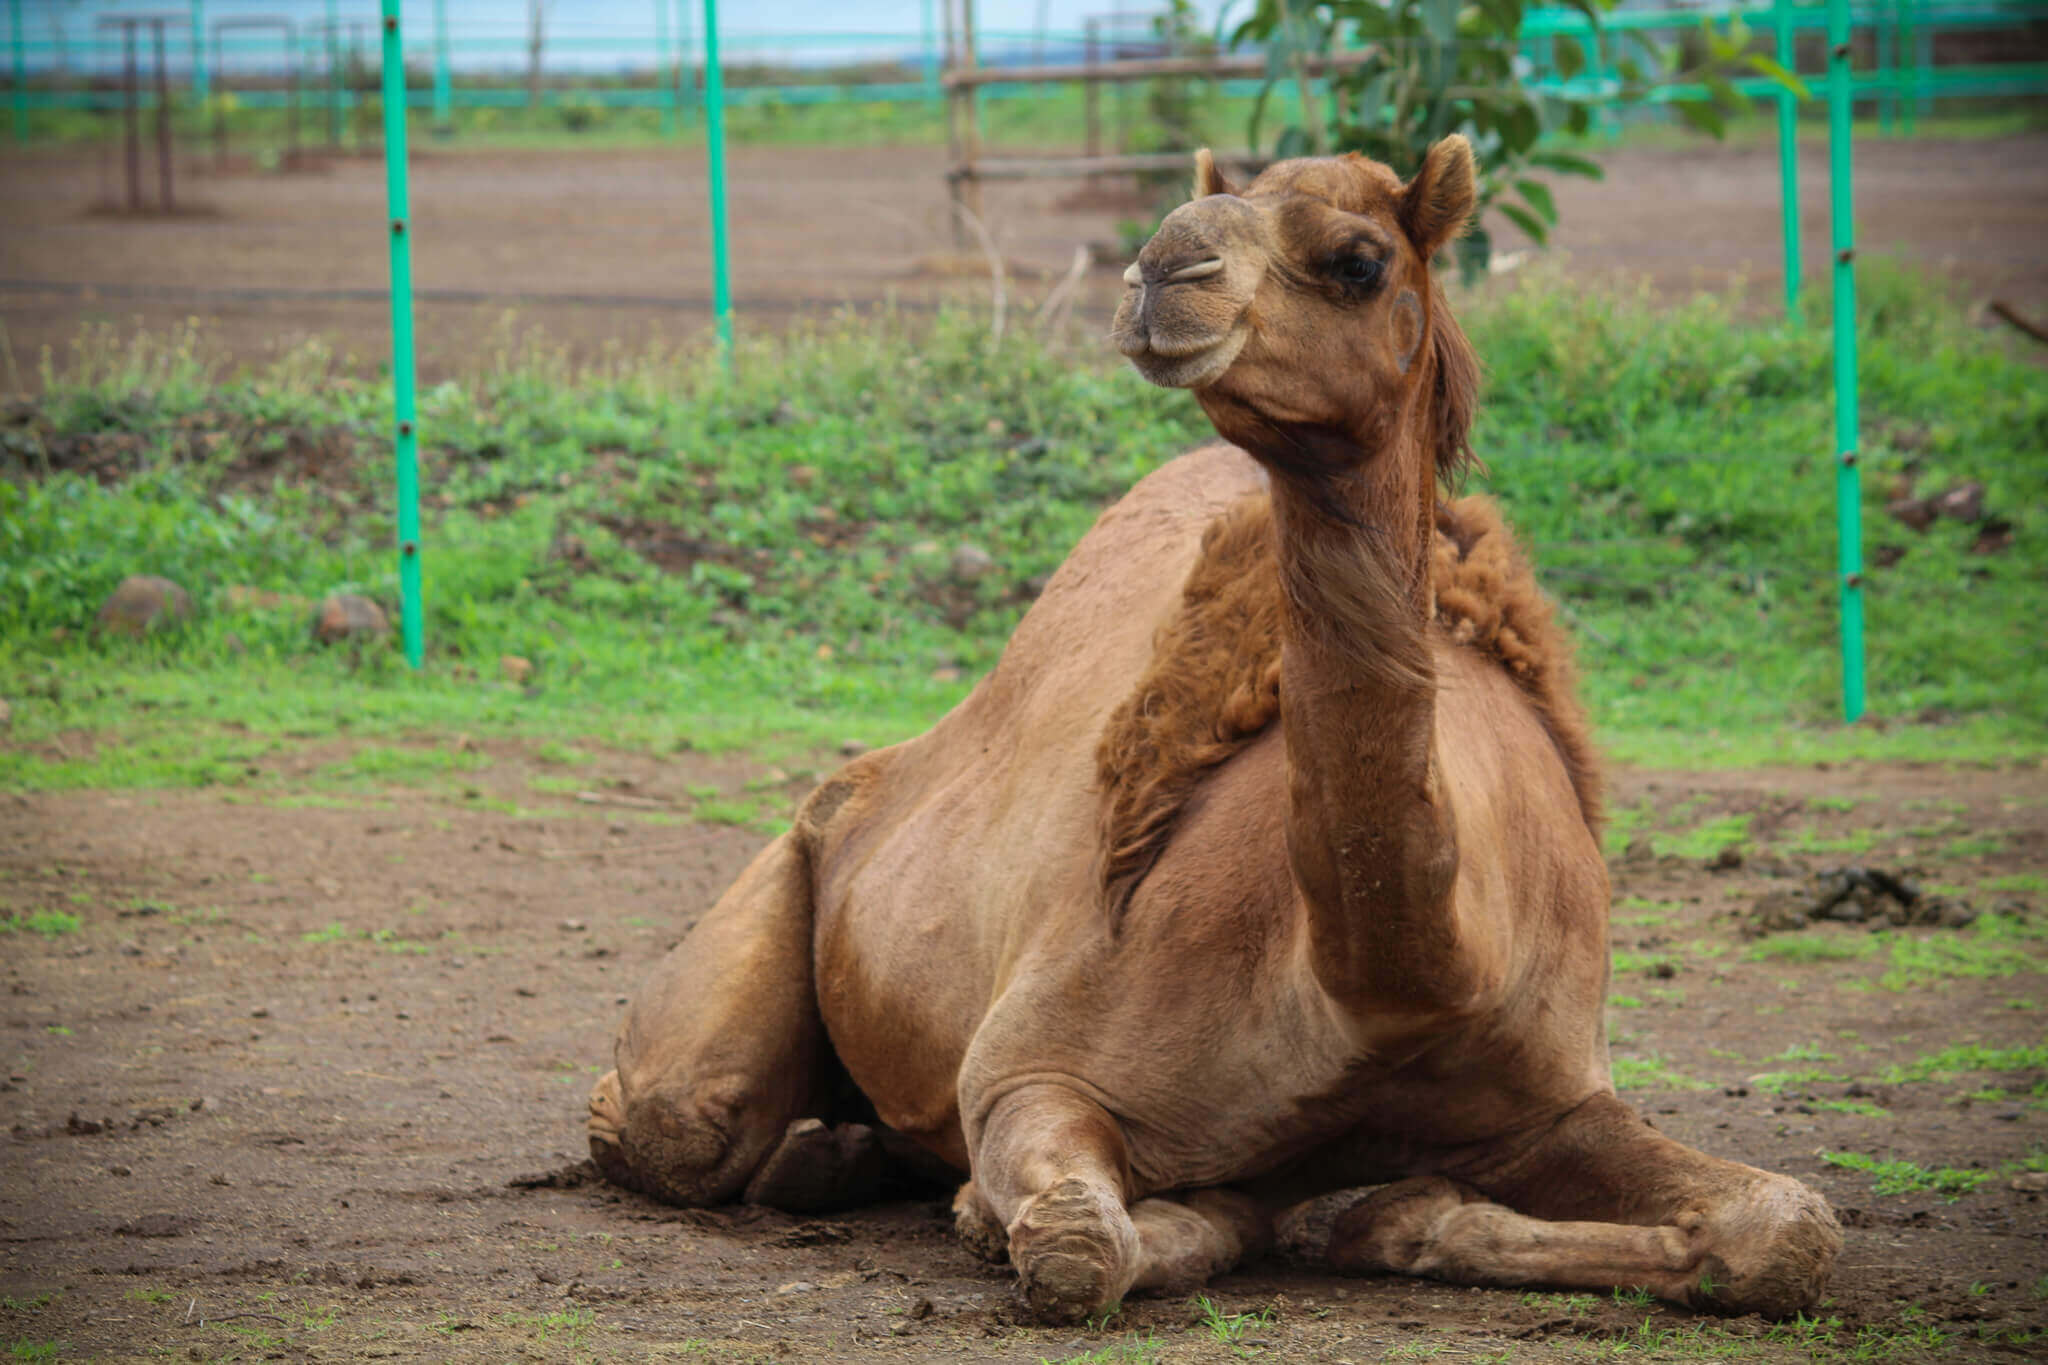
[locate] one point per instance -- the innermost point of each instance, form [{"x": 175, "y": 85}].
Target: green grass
[
  {"x": 48, "y": 923},
  {"x": 1811, "y": 948},
  {"x": 1967, "y": 1057},
  {"x": 1652, "y": 1073},
  {"x": 1992, "y": 946},
  {"x": 1896, "y": 1176},
  {"x": 1641, "y": 450}
]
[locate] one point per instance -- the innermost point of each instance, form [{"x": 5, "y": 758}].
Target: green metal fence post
[
  {"x": 1883, "y": 35},
  {"x": 444, "y": 79},
  {"x": 714, "y": 140},
  {"x": 406, "y": 434},
  {"x": 202, "y": 83},
  {"x": 1848, "y": 477},
  {"x": 1788, "y": 155},
  {"x": 664, "y": 88},
  {"x": 20, "y": 72},
  {"x": 1909, "y": 65}
]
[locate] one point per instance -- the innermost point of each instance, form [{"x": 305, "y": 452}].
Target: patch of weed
[
  {"x": 1898, "y": 1176},
  {"x": 1652, "y": 1073},
  {"x": 48, "y": 923},
  {"x": 1811, "y": 948}
]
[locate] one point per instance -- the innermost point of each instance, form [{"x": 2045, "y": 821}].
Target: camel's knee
[
  {"x": 1768, "y": 1250},
  {"x": 683, "y": 1146},
  {"x": 1075, "y": 1249}
]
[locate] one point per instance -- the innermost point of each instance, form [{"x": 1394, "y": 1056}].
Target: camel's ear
[
  {"x": 1438, "y": 201},
  {"x": 1209, "y": 180}
]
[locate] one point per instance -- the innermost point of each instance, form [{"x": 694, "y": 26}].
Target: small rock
[
  {"x": 344, "y": 616},
  {"x": 143, "y": 603},
  {"x": 1993, "y": 538},
  {"x": 219, "y": 1179},
  {"x": 119, "y": 1170},
  {"x": 2031, "y": 1182},
  {"x": 796, "y": 1287},
  {"x": 1964, "y": 502},
  {"x": 851, "y": 748},
  {"x": 919, "y": 1310},
  {"x": 1917, "y": 513},
  {"x": 514, "y": 669},
  {"x": 260, "y": 1012},
  {"x": 573, "y": 926},
  {"x": 900, "y": 1328},
  {"x": 971, "y": 562},
  {"x": 1727, "y": 860}
]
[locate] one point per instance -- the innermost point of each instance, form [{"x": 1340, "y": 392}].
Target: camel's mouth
[{"x": 1189, "y": 365}]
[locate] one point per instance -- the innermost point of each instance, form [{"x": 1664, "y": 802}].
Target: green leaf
[
  {"x": 1571, "y": 58},
  {"x": 1702, "y": 115},
  {"x": 1566, "y": 164},
  {"x": 1538, "y": 195},
  {"x": 1757, "y": 61},
  {"x": 1526, "y": 221}
]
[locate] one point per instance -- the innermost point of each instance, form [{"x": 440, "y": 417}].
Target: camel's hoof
[
  {"x": 815, "y": 1168},
  {"x": 1393, "y": 1227},
  {"x": 1075, "y": 1251},
  {"x": 977, "y": 1227},
  {"x": 606, "y": 1129}
]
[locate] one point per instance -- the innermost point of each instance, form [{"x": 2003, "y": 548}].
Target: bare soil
[
  {"x": 307, "y": 1082},
  {"x": 606, "y": 246}
]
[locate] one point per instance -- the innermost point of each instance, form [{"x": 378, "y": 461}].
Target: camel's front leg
[
  {"x": 1605, "y": 1201},
  {"x": 719, "y": 1058},
  {"x": 1051, "y": 1172}
]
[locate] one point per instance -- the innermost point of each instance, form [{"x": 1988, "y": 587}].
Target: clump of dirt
[{"x": 1856, "y": 895}]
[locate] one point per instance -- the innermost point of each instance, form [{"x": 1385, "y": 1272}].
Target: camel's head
[{"x": 1302, "y": 302}]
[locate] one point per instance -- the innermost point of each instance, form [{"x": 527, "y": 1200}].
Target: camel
[{"x": 1264, "y": 864}]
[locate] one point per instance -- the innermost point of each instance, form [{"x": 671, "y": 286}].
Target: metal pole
[
  {"x": 333, "y": 77},
  {"x": 444, "y": 80},
  {"x": 664, "y": 89},
  {"x": 201, "y": 84},
  {"x": 163, "y": 123},
  {"x": 1848, "y": 480},
  {"x": 714, "y": 142},
  {"x": 1788, "y": 155},
  {"x": 20, "y": 72},
  {"x": 406, "y": 443},
  {"x": 1909, "y": 64},
  {"x": 931, "y": 55},
  {"x": 134, "y": 126}
]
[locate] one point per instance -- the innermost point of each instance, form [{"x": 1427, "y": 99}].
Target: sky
[{"x": 605, "y": 32}]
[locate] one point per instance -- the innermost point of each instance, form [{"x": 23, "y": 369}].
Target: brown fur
[{"x": 1214, "y": 682}]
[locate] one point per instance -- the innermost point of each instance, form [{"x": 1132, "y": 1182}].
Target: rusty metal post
[
  {"x": 1091, "y": 91},
  {"x": 163, "y": 122},
  {"x": 132, "y": 140}
]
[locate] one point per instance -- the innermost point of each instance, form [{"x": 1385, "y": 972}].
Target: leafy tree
[{"x": 1443, "y": 66}]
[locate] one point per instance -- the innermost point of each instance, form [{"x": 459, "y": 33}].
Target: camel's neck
[{"x": 1369, "y": 832}]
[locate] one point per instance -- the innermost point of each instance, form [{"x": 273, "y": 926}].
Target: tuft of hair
[
  {"x": 1457, "y": 392},
  {"x": 1214, "y": 682},
  {"x": 1213, "y": 685},
  {"x": 1487, "y": 599}
]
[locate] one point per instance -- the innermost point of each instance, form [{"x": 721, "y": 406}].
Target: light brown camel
[{"x": 1264, "y": 864}]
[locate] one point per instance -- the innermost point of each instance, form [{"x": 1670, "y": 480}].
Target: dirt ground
[
  {"x": 307, "y": 1083},
  {"x": 602, "y": 245}
]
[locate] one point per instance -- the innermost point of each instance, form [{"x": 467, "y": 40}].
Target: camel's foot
[
  {"x": 980, "y": 1231},
  {"x": 1768, "y": 1251},
  {"x": 1075, "y": 1250},
  {"x": 815, "y": 1168},
  {"x": 1189, "y": 1240}
]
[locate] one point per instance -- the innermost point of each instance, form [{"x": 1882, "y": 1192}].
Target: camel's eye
[{"x": 1360, "y": 272}]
